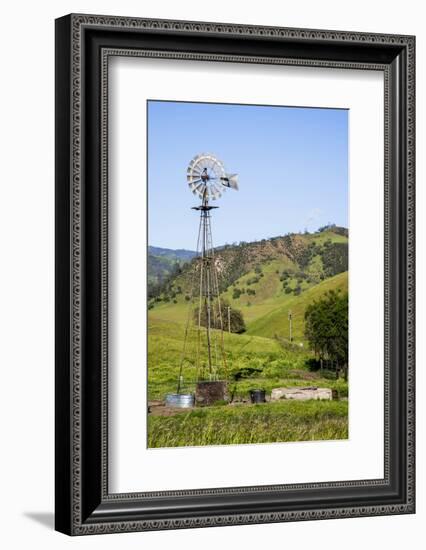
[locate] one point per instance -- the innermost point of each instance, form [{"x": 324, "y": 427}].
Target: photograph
[
  {"x": 234, "y": 274},
  {"x": 247, "y": 274}
]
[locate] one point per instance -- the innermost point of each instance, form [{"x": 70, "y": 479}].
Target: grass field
[
  {"x": 275, "y": 322},
  {"x": 242, "y": 423},
  {"x": 275, "y": 365},
  {"x": 265, "y": 423},
  {"x": 264, "y": 350}
]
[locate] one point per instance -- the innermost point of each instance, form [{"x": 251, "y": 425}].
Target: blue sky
[{"x": 292, "y": 164}]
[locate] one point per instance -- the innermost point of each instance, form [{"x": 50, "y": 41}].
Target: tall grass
[{"x": 283, "y": 421}]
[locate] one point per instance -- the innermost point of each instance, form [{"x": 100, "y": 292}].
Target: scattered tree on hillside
[
  {"x": 236, "y": 293},
  {"x": 335, "y": 258},
  {"x": 220, "y": 316},
  {"x": 326, "y": 329},
  {"x": 311, "y": 259},
  {"x": 326, "y": 227},
  {"x": 335, "y": 229}
]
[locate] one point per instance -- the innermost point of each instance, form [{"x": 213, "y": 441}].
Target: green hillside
[
  {"x": 165, "y": 338},
  {"x": 276, "y": 323},
  {"x": 273, "y": 364},
  {"x": 278, "y": 275},
  {"x": 262, "y": 347},
  {"x": 264, "y": 280},
  {"x": 267, "y": 314},
  {"x": 256, "y": 275}
]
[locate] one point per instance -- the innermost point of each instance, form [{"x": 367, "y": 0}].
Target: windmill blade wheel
[{"x": 207, "y": 177}]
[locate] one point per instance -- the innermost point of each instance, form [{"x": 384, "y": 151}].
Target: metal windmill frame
[{"x": 208, "y": 180}]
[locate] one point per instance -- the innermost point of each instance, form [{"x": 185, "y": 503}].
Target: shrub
[
  {"x": 335, "y": 258},
  {"x": 219, "y": 318},
  {"x": 236, "y": 293},
  {"x": 313, "y": 364}
]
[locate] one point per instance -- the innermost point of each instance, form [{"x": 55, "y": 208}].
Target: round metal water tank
[{"x": 180, "y": 400}]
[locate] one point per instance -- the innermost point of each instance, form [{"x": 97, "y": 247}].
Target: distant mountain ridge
[
  {"x": 179, "y": 254},
  {"x": 163, "y": 262}
]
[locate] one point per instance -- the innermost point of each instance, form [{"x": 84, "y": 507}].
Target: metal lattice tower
[{"x": 208, "y": 180}]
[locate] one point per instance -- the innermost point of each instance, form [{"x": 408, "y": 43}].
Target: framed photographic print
[{"x": 234, "y": 274}]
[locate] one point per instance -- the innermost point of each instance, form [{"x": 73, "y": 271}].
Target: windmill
[{"x": 208, "y": 180}]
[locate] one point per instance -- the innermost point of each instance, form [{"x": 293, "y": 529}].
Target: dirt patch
[{"x": 158, "y": 408}]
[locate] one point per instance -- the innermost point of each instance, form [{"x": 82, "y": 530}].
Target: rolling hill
[
  {"x": 266, "y": 279},
  {"x": 276, "y": 323}
]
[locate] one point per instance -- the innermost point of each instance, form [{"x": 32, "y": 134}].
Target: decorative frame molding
[{"x": 84, "y": 44}]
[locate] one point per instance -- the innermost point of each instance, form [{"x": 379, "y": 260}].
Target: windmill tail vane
[
  {"x": 231, "y": 181},
  {"x": 207, "y": 179}
]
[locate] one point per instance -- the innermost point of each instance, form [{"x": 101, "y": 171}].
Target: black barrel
[{"x": 257, "y": 396}]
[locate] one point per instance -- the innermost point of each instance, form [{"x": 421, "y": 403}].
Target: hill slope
[
  {"x": 276, "y": 323},
  {"x": 253, "y": 274}
]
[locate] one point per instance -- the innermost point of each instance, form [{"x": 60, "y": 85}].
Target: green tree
[
  {"x": 297, "y": 290},
  {"x": 236, "y": 293},
  {"x": 326, "y": 329}
]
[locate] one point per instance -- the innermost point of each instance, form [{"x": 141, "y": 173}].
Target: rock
[{"x": 311, "y": 392}]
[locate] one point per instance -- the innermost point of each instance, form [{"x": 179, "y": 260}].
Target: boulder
[{"x": 310, "y": 392}]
